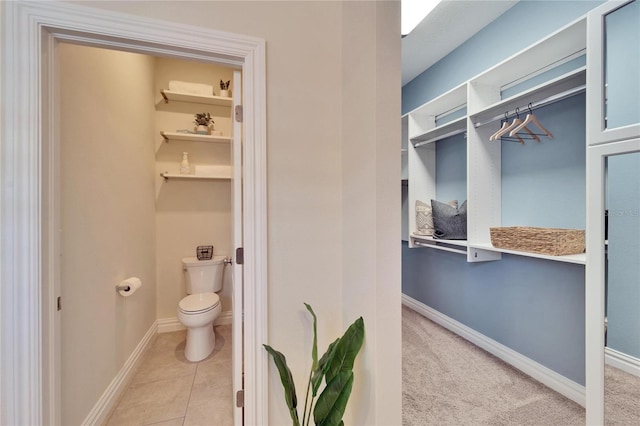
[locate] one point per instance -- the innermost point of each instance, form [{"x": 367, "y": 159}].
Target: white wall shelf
[
  {"x": 454, "y": 127},
  {"x": 570, "y": 83},
  {"x": 553, "y": 49},
  {"x": 169, "y": 95},
  {"x": 212, "y": 172},
  {"x": 190, "y": 137},
  {"x": 219, "y": 176},
  {"x": 579, "y": 259},
  {"x": 423, "y": 119}
]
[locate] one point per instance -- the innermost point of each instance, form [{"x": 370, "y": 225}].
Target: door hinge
[
  {"x": 59, "y": 303},
  {"x": 240, "y": 398},
  {"x": 239, "y": 113},
  {"x": 240, "y": 256}
]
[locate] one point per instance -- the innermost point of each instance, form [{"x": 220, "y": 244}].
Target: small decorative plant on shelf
[
  {"x": 224, "y": 88},
  {"x": 204, "y": 123},
  {"x": 335, "y": 367}
]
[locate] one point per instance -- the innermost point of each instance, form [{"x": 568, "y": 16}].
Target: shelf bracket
[{"x": 166, "y": 100}]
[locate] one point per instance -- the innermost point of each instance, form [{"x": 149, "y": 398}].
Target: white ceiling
[{"x": 449, "y": 25}]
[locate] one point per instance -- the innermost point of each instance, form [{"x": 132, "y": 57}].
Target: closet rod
[
  {"x": 533, "y": 105},
  {"x": 544, "y": 69},
  {"x": 421, "y": 244},
  {"x": 450, "y": 111}
]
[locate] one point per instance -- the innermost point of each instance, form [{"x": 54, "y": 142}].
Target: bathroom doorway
[
  {"x": 33, "y": 381},
  {"x": 128, "y": 210}
]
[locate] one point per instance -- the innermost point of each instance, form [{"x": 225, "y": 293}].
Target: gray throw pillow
[
  {"x": 424, "y": 217},
  {"x": 450, "y": 223}
]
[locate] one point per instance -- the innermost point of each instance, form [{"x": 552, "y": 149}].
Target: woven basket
[{"x": 551, "y": 241}]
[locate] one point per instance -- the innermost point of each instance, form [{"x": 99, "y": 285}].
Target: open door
[{"x": 237, "y": 294}]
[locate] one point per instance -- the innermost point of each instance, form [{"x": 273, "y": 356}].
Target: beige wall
[
  {"x": 333, "y": 102},
  {"x": 371, "y": 203},
  {"x": 189, "y": 213},
  {"x": 108, "y": 232}
]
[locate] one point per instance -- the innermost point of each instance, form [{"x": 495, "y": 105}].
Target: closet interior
[{"x": 510, "y": 102}]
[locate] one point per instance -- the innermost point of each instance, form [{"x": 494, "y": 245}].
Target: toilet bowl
[
  {"x": 197, "y": 312},
  {"x": 202, "y": 306}
]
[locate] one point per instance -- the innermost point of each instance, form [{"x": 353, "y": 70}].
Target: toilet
[{"x": 202, "y": 306}]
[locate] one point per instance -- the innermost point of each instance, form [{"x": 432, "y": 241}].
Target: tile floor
[{"x": 168, "y": 390}]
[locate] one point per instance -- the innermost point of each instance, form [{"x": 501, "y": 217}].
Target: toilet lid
[{"x": 199, "y": 302}]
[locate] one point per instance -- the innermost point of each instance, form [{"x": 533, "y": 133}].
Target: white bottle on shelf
[{"x": 185, "y": 169}]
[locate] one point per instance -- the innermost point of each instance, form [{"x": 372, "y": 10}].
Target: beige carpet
[
  {"x": 621, "y": 398},
  {"x": 449, "y": 381}
]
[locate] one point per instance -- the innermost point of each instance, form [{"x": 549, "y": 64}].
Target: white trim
[
  {"x": 168, "y": 325},
  {"x": 622, "y": 361},
  {"x": 595, "y": 273},
  {"x": 107, "y": 402},
  {"x": 597, "y": 133},
  {"x": 24, "y": 26},
  {"x": 539, "y": 372}
]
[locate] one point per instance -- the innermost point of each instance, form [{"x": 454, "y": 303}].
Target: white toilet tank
[{"x": 203, "y": 276}]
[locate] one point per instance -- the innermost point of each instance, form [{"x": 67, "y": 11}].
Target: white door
[{"x": 237, "y": 294}]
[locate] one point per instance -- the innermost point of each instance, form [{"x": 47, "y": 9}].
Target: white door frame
[{"x": 29, "y": 32}]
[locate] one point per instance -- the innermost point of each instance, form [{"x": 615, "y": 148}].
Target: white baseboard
[
  {"x": 225, "y": 318},
  {"x": 167, "y": 325},
  {"x": 539, "y": 372},
  {"x": 107, "y": 402},
  {"x": 622, "y": 361}
]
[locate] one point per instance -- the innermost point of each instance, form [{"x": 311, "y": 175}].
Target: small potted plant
[
  {"x": 204, "y": 123},
  {"x": 224, "y": 88}
]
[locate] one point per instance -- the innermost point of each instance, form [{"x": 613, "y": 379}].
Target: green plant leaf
[
  {"x": 323, "y": 366},
  {"x": 333, "y": 400},
  {"x": 314, "y": 351},
  {"x": 287, "y": 383},
  {"x": 346, "y": 350}
]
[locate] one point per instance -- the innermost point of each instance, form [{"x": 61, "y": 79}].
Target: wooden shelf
[
  {"x": 220, "y": 176},
  {"x": 168, "y": 95},
  {"x": 177, "y": 136},
  {"x": 579, "y": 259}
]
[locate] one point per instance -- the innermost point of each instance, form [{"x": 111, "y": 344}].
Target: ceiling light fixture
[{"x": 413, "y": 12}]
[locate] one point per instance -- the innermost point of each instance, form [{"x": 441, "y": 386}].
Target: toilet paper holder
[
  {"x": 124, "y": 287},
  {"x": 129, "y": 286}
]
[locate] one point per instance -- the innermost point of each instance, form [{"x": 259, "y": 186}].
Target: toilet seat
[{"x": 199, "y": 303}]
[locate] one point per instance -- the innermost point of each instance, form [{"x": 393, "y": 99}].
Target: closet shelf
[
  {"x": 219, "y": 176},
  {"x": 566, "y": 85},
  {"x": 579, "y": 259},
  {"x": 454, "y": 127},
  {"x": 176, "y": 136},
  {"x": 168, "y": 95}
]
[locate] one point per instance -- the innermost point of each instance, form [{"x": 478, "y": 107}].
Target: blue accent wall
[
  {"x": 533, "y": 306},
  {"x": 451, "y": 169},
  {"x": 543, "y": 184},
  {"x": 522, "y": 25}
]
